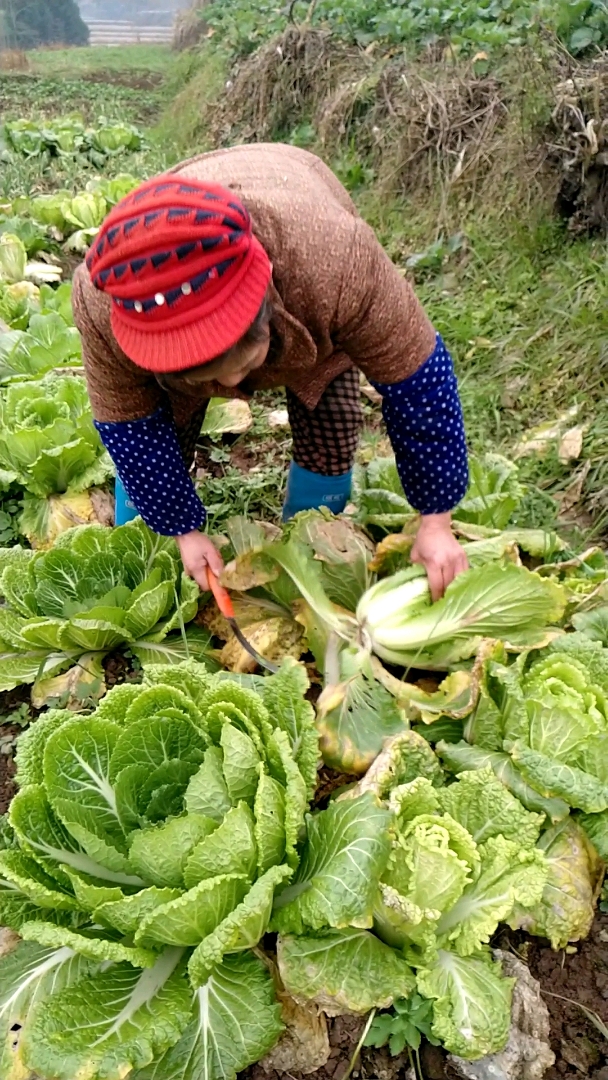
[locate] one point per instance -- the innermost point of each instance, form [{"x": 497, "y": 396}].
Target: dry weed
[
  {"x": 579, "y": 146},
  {"x": 12, "y": 60},
  {"x": 434, "y": 125},
  {"x": 283, "y": 82},
  {"x": 190, "y": 27}
]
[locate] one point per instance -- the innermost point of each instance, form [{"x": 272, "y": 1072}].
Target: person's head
[
  {"x": 234, "y": 365},
  {"x": 188, "y": 281}
]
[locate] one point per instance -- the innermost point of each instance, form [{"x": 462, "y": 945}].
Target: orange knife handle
[{"x": 222, "y": 596}]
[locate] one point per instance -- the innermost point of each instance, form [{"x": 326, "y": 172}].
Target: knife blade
[{"x": 224, "y": 603}]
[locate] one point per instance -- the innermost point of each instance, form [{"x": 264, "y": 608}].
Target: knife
[{"x": 224, "y": 603}]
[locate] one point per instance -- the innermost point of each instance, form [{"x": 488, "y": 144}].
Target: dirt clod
[
  {"x": 329, "y": 781},
  {"x": 433, "y": 1062},
  {"x": 119, "y": 669}
]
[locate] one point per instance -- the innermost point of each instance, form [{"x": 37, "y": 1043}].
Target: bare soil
[
  {"x": 120, "y": 669},
  {"x": 9, "y": 701},
  {"x": 329, "y": 782},
  {"x": 7, "y": 770},
  {"x": 579, "y": 1047}
]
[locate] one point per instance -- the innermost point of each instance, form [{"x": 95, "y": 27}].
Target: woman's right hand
[{"x": 198, "y": 554}]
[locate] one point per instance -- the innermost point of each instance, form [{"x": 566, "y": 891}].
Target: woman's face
[{"x": 232, "y": 368}]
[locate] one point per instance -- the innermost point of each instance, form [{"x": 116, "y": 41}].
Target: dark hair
[
  {"x": 257, "y": 331},
  {"x": 253, "y": 335}
]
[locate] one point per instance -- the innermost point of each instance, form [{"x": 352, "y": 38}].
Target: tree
[{"x": 30, "y": 23}]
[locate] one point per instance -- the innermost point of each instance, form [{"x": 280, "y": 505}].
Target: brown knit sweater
[{"x": 339, "y": 300}]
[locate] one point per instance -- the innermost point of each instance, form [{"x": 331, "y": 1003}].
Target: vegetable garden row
[{"x": 178, "y": 893}]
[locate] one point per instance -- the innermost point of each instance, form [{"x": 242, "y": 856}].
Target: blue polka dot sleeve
[
  {"x": 148, "y": 460},
  {"x": 424, "y": 421}
]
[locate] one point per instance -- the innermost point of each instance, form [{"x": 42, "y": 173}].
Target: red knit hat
[{"x": 186, "y": 275}]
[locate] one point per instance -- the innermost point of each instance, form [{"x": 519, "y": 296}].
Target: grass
[
  {"x": 527, "y": 319},
  {"x": 28, "y": 95},
  {"x": 149, "y": 60},
  {"x": 196, "y": 83},
  {"x": 131, "y": 83},
  {"x": 523, "y": 306},
  {"x": 246, "y": 476}
]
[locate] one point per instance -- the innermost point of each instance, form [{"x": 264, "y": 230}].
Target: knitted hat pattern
[{"x": 185, "y": 273}]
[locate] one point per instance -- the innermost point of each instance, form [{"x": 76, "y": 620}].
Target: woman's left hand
[{"x": 437, "y": 549}]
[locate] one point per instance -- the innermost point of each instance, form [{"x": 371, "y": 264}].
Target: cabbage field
[{"x": 358, "y": 865}]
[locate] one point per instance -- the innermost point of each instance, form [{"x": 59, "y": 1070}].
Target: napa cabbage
[
  {"x": 494, "y": 495},
  {"x": 462, "y": 856},
  {"x": 14, "y": 265},
  {"x": 150, "y": 846},
  {"x": 460, "y": 859},
  {"x": 68, "y": 137},
  {"x": 18, "y": 302},
  {"x": 13, "y": 258},
  {"x": 496, "y": 600},
  {"x": 98, "y": 590},
  {"x": 45, "y": 342},
  {"x": 541, "y": 724},
  {"x": 463, "y": 859},
  {"x": 49, "y": 446},
  {"x": 148, "y": 842},
  {"x": 395, "y": 617},
  {"x": 549, "y": 713}
]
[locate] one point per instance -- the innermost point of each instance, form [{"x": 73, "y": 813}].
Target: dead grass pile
[
  {"x": 190, "y": 27},
  {"x": 429, "y": 126},
  {"x": 283, "y": 83},
  {"x": 435, "y": 125},
  {"x": 579, "y": 147},
  {"x": 12, "y": 60}
]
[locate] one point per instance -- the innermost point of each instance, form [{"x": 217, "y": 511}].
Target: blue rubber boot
[
  {"x": 309, "y": 491},
  {"x": 125, "y": 509}
]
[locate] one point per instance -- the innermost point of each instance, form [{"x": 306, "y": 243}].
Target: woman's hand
[
  {"x": 437, "y": 549},
  {"x": 197, "y": 554}
]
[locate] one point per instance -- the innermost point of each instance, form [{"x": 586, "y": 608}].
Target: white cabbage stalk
[
  {"x": 397, "y": 619},
  {"x": 391, "y": 600},
  {"x": 13, "y": 258},
  {"x": 43, "y": 273}
]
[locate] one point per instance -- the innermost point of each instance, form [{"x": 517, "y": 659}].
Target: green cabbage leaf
[
  {"x": 567, "y": 907},
  {"x": 549, "y": 714},
  {"x": 48, "y": 443},
  {"x": 471, "y": 1003},
  {"x": 97, "y": 590}
]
